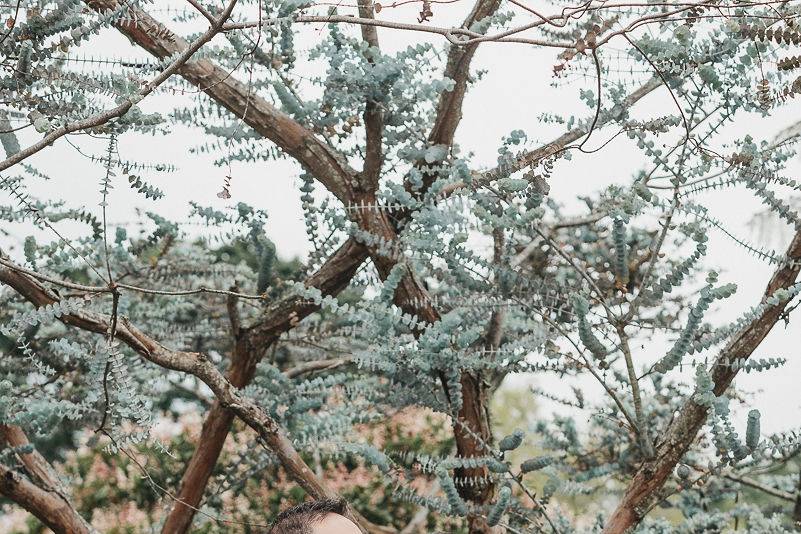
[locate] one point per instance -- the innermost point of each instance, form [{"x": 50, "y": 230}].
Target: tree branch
[
  {"x": 641, "y": 428},
  {"x": 49, "y": 504},
  {"x": 314, "y": 366},
  {"x": 47, "y": 507},
  {"x": 328, "y": 166},
  {"x": 457, "y": 68},
  {"x": 35, "y": 463},
  {"x": 188, "y": 362},
  {"x": 683, "y": 430},
  {"x": 751, "y": 483},
  {"x": 455, "y": 36},
  {"x": 373, "y": 113},
  {"x": 186, "y": 52}
]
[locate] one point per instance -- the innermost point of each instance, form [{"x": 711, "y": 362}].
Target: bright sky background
[{"x": 516, "y": 88}]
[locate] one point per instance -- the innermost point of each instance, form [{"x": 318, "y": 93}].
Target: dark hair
[{"x": 299, "y": 519}]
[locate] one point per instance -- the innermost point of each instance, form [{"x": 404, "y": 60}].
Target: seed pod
[
  {"x": 455, "y": 501},
  {"x": 497, "y": 466},
  {"x": 752, "y": 430},
  {"x": 512, "y": 441},
  {"x": 683, "y": 472},
  {"x": 500, "y": 506},
  {"x": 535, "y": 464}
]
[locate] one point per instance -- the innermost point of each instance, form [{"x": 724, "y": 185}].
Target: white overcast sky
[{"x": 515, "y": 90}]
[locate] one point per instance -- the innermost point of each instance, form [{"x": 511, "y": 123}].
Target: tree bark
[
  {"x": 34, "y": 462},
  {"x": 49, "y": 507},
  {"x": 649, "y": 479},
  {"x": 43, "y": 496},
  {"x": 331, "y": 278}
]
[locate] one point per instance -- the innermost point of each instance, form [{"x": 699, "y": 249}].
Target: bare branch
[
  {"x": 460, "y": 37},
  {"x": 642, "y": 427},
  {"x": 314, "y": 366},
  {"x": 202, "y": 10},
  {"x": 47, "y": 507},
  {"x": 232, "y": 307},
  {"x": 751, "y": 483},
  {"x": 449, "y": 108},
  {"x": 34, "y": 462}
]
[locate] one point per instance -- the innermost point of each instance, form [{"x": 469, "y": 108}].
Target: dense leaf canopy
[{"x": 180, "y": 373}]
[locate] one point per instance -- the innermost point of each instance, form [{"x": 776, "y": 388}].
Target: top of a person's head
[{"x": 315, "y": 517}]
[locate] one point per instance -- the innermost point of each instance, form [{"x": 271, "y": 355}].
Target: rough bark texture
[
  {"x": 48, "y": 507},
  {"x": 649, "y": 479},
  {"x": 42, "y": 494},
  {"x": 34, "y": 463}
]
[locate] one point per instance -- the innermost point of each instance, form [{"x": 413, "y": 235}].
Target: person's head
[{"x": 315, "y": 517}]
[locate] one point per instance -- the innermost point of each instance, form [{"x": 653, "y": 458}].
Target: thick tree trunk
[
  {"x": 193, "y": 484},
  {"x": 474, "y": 414}
]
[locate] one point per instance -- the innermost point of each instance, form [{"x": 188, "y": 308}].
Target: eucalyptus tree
[{"x": 396, "y": 307}]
